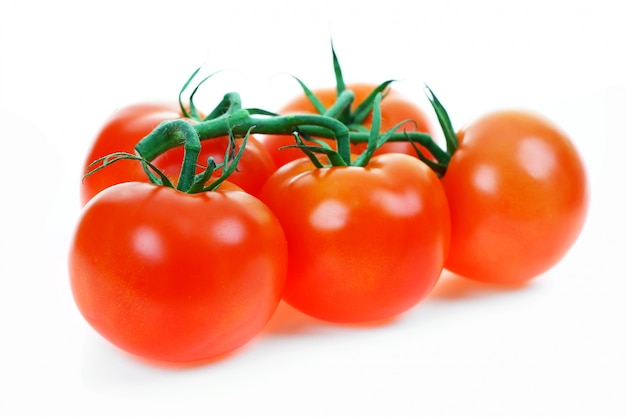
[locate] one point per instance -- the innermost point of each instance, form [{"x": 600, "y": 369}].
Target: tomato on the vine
[
  {"x": 129, "y": 125},
  {"x": 120, "y": 133},
  {"x": 177, "y": 277},
  {"x": 395, "y": 108},
  {"x": 254, "y": 167},
  {"x": 518, "y": 197},
  {"x": 365, "y": 243}
]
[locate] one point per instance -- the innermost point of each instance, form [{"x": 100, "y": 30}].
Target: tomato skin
[
  {"x": 395, "y": 108},
  {"x": 365, "y": 244},
  {"x": 177, "y": 277},
  {"x": 254, "y": 168},
  {"x": 518, "y": 197},
  {"x": 120, "y": 133}
]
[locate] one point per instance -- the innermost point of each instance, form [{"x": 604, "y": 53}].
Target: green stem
[
  {"x": 190, "y": 158},
  {"x": 166, "y": 136},
  {"x": 230, "y": 104},
  {"x": 374, "y": 134},
  {"x": 343, "y": 101},
  {"x": 229, "y": 167},
  {"x": 160, "y": 140},
  {"x": 181, "y": 132},
  {"x": 422, "y": 138},
  {"x": 230, "y": 118},
  {"x": 342, "y": 106},
  {"x": 452, "y": 141}
]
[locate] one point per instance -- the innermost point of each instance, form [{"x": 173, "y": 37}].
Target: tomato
[
  {"x": 518, "y": 197},
  {"x": 177, "y": 277},
  {"x": 253, "y": 169},
  {"x": 365, "y": 243},
  {"x": 120, "y": 133},
  {"x": 130, "y": 124},
  {"x": 395, "y": 108}
]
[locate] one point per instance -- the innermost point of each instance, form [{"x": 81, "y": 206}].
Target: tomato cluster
[{"x": 344, "y": 207}]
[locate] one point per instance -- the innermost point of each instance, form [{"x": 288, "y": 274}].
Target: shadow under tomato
[
  {"x": 455, "y": 287},
  {"x": 189, "y": 365},
  {"x": 289, "y": 320}
]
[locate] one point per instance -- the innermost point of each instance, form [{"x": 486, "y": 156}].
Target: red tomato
[
  {"x": 130, "y": 124},
  {"x": 121, "y": 133},
  {"x": 365, "y": 243},
  {"x": 254, "y": 168},
  {"x": 394, "y": 109},
  {"x": 518, "y": 198},
  {"x": 177, "y": 277}
]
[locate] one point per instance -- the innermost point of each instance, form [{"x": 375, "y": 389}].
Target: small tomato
[
  {"x": 120, "y": 133},
  {"x": 177, "y": 277},
  {"x": 129, "y": 125},
  {"x": 365, "y": 243},
  {"x": 518, "y": 197}
]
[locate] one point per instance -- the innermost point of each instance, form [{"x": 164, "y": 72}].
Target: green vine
[{"x": 339, "y": 122}]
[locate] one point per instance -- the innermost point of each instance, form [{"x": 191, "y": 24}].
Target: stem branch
[{"x": 229, "y": 118}]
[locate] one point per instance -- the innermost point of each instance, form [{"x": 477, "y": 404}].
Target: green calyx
[
  {"x": 354, "y": 118},
  {"x": 339, "y": 122},
  {"x": 229, "y": 118},
  {"x": 189, "y": 182}
]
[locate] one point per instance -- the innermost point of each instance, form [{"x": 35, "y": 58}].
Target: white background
[{"x": 553, "y": 348}]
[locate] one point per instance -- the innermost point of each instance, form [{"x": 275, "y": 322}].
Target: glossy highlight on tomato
[
  {"x": 394, "y": 107},
  {"x": 364, "y": 243},
  {"x": 177, "y": 277},
  {"x": 518, "y": 197}
]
